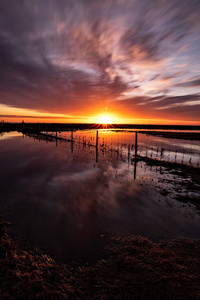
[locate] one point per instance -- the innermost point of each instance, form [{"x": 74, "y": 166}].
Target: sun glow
[{"x": 105, "y": 120}]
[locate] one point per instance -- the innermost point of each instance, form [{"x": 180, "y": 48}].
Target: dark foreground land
[{"x": 132, "y": 268}]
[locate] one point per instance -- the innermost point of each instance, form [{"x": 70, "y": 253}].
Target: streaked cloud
[{"x": 71, "y": 57}]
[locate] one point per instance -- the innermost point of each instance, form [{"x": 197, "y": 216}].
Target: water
[
  {"x": 123, "y": 141},
  {"x": 69, "y": 198}
]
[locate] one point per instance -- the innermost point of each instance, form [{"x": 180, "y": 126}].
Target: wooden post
[
  {"x": 97, "y": 155},
  {"x": 97, "y": 143},
  {"x": 135, "y": 144},
  {"x": 135, "y": 168},
  {"x": 97, "y": 139},
  {"x": 129, "y": 152},
  {"x": 72, "y": 135}
]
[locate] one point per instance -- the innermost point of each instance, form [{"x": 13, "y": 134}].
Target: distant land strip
[
  {"x": 49, "y": 127},
  {"x": 68, "y": 126}
]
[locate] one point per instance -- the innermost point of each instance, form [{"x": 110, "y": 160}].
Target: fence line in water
[{"x": 133, "y": 144}]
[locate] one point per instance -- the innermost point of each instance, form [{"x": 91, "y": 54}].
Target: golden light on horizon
[{"x": 105, "y": 120}]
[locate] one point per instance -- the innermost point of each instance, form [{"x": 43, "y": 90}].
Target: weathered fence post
[
  {"x": 97, "y": 154},
  {"x": 136, "y": 144},
  {"x": 72, "y": 135},
  {"x": 135, "y": 168},
  {"x": 97, "y": 139}
]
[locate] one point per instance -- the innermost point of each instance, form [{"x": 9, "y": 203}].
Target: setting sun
[{"x": 105, "y": 120}]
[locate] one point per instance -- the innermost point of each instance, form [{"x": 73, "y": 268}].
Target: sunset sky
[{"x": 136, "y": 61}]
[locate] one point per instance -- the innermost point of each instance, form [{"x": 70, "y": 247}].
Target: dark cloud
[
  {"x": 62, "y": 56},
  {"x": 192, "y": 83},
  {"x": 161, "y": 106},
  {"x": 160, "y": 101}
]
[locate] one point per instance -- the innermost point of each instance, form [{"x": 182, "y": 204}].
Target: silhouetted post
[
  {"x": 97, "y": 139},
  {"x": 97, "y": 143},
  {"x": 97, "y": 155},
  {"x": 72, "y": 135},
  {"x": 56, "y": 138},
  {"x": 135, "y": 167},
  {"x": 161, "y": 152},
  {"x": 136, "y": 144}
]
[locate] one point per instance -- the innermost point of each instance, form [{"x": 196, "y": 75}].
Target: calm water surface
[{"x": 68, "y": 198}]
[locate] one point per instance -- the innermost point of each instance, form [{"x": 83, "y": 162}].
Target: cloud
[
  {"x": 186, "y": 107},
  {"x": 66, "y": 57},
  {"x": 192, "y": 83}
]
